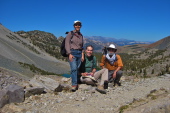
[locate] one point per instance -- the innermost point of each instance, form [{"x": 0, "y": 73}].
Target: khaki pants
[{"x": 102, "y": 74}]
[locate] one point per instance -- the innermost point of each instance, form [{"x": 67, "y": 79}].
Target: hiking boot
[
  {"x": 118, "y": 84},
  {"x": 105, "y": 84},
  {"x": 74, "y": 88},
  {"x": 101, "y": 89}
]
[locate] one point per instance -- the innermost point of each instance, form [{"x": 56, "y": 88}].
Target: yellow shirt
[{"x": 105, "y": 62}]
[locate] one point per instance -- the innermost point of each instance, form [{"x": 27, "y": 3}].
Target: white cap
[
  {"x": 112, "y": 46},
  {"x": 76, "y": 21}
]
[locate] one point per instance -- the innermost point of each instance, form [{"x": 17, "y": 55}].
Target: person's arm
[
  {"x": 83, "y": 74},
  {"x": 82, "y": 69},
  {"x": 94, "y": 66},
  {"x": 93, "y": 71},
  {"x": 114, "y": 74},
  {"x": 82, "y": 58}
]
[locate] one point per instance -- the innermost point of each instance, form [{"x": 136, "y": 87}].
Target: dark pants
[{"x": 118, "y": 76}]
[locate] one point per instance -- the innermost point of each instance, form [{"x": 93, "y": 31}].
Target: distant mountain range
[{"x": 119, "y": 42}]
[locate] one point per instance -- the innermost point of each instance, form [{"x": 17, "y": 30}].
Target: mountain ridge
[
  {"x": 15, "y": 49},
  {"x": 119, "y": 42},
  {"x": 161, "y": 44}
]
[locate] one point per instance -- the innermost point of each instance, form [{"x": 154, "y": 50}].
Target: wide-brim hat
[{"x": 111, "y": 46}]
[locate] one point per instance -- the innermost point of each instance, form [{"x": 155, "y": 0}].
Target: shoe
[
  {"x": 105, "y": 84},
  {"x": 101, "y": 89},
  {"x": 74, "y": 88},
  {"x": 118, "y": 83}
]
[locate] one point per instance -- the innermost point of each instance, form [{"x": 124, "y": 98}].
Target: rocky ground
[{"x": 150, "y": 95}]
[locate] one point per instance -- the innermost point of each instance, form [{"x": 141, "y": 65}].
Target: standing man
[
  {"x": 74, "y": 49},
  {"x": 89, "y": 75},
  {"x": 113, "y": 63}
]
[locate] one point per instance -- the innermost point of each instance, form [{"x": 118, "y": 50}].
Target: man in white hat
[{"x": 113, "y": 63}]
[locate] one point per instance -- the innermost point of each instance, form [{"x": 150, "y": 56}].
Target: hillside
[
  {"x": 161, "y": 44},
  {"x": 137, "y": 48},
  {"x": 16, "y": 50},
  {"x": 132, "y": 49}
]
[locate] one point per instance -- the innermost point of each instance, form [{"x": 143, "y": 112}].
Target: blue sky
[{"x": 140, "y": 20}]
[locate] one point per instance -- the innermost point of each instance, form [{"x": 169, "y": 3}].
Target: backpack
[
  {"x": 62, "y": 47},
  {"x": 104, "y": 50}
]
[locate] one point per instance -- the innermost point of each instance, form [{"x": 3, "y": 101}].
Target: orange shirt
[{"x": 105, "y": 62}]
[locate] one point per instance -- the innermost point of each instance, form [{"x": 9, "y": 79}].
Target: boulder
[
  {"x": 48, "y": 83},
  {"x": 4, "y": 98},
  {"x": 15, "y": 93},
  {"x": 12, "y": 94},
  {"x": 33, "y": 91}
]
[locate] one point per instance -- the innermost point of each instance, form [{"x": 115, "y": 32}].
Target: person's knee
[
  {"x": 88, "y": 81},
  {"x": 105, "y": 69},
  {"x": 119, "y": 73}
]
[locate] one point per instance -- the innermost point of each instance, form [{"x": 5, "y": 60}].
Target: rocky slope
[
  {"x": 161, "y": 44},
  {"x": 15, "y": 49},
  {"x": 151, "y": 95}
]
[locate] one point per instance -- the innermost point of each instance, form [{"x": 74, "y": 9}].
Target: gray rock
[
  {"x": 11, "y": 94},
  {"x": 48, "y": 83},
  {"x": 4, "y": 98},
  {"x": 16, "y": 93},
  {"x": 167, "y": 75},
  {"x": 65, "y": 87},
  {"x": 33, "y": 91}
]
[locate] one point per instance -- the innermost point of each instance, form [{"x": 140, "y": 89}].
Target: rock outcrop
[{"x": 11, "y": 94}]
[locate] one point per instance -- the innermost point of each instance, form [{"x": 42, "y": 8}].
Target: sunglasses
[
  {"x": 77, "y": 25},
  {"x": 111, "y": 49}
]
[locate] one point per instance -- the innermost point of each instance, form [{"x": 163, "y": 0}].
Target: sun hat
[
  {"x": 77, "y": 22},
  {"x": 112, "y": 46}
]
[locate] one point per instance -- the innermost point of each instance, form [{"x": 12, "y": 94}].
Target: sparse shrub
[
  {"x": 153, "y": 97},
  {"x": 34, "y": 69},
  {"x": 122, "y": 108}
]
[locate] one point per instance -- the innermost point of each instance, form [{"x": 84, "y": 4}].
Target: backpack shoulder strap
[
  {"x": 116, "y": 57},
  {"x": 72, "y": 33},
  {"x": 82, "y": 41}
]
